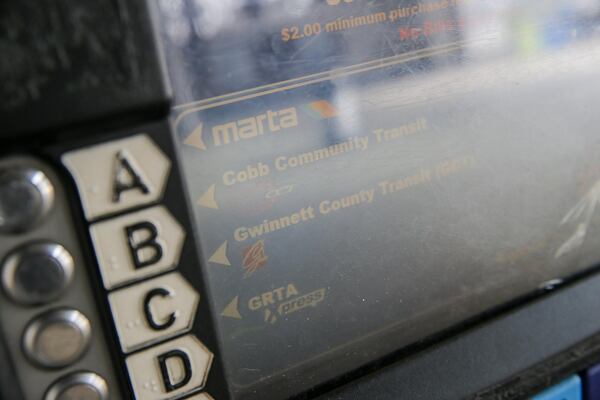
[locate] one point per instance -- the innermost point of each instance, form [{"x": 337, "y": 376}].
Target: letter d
[{"x": 173, "y": 383}]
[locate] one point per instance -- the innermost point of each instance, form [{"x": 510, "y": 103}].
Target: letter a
[{"x": 126, "y": 178}]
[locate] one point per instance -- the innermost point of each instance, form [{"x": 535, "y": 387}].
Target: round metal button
[
  {"x": 57, "y": 339},
  {"x": 26, "y": 196},
  {"x": 79, "y": 386},
  {"x": 37, "y": 273}
]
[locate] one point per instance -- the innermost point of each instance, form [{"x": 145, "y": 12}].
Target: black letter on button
[
  {"x": 150, "y": 242},
  {"x": 149, "y": 317},
  {"x": 187, "y": 369},
  {"x": 126, "y": 178}
]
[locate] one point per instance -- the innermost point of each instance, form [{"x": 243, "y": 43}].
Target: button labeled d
[
  {"x": 170, "y": 370},
  {"x": 154, "y": 310}
]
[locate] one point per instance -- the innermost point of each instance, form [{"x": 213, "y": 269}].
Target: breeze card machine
[{"x": 298, "y": 199}]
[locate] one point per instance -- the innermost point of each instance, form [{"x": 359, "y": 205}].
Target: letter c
[
  {"x": 229, "y": 178},
  {"x": 280, "y": 164},
  {"x": 157, "y": 326},
  {"x": 324, "y": 207}
]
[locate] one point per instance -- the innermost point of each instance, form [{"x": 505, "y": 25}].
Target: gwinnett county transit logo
[{"x": 254, "y": 258}]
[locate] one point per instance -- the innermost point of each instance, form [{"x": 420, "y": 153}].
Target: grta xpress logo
[
  {"x": 272, "y": 121},
  {"x": 284, "y": 301}
]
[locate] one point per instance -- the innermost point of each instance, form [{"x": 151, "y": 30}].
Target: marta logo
[
  {"x": 254, "y": 258},
  {"x": 272, "y": 121},
  {"x": 250, "y": 128}
]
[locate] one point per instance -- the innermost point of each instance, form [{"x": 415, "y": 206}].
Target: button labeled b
[{"x": 137, "y": 245}]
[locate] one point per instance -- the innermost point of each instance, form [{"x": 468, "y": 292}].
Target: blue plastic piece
[
  {"x": 569, "y": 389},
  {"x": 591, "y": 383}
]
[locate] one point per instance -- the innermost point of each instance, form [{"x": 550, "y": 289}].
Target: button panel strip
[
  {"x": 139, "y": 244},
  {"x": 48, "y": 313}
]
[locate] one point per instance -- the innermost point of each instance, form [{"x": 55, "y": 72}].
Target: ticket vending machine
[{"x": 299, "y": 199}]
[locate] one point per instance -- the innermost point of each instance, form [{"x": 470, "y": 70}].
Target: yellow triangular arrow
[
  {"x": 195, "y": 138},
  {"x": 231, "y": 310},
  {"x": 208, "y": 199},
  {"x": 220, "y": 256}
]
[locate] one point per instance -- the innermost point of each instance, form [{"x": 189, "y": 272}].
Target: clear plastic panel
[{"x": 365, "y": 174}]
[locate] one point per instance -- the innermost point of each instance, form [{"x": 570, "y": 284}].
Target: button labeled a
[
  {"x": 170, "y": 370},
  {"x": 137, "y": 246},
  {"x": 118, "y": 175},
  {"x": 153, "y": 311}
]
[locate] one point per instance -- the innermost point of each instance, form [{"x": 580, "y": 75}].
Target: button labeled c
[{"x": 153, "y": 311}]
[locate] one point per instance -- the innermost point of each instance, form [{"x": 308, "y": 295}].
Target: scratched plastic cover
[{"x": 367, "y": 173}]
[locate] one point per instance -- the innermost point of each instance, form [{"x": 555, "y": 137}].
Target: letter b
[
  {"x": 252, "y": 172},
  {"x": 143, "y": 244},
  {"x": 263, "y": 169}
]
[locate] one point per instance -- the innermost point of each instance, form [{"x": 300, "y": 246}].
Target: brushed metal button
[
  {"x": 37, "y": 273},
  {"x": 26, "y": 197},
  {"x": 79, "y": 386},
  {"x": 57, "y": 338}
]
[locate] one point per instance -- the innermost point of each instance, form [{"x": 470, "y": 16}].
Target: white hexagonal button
[
  {"x": 118, "y": 175},
  {"x": 153, "y": 311},
  {"x": 137, "y": 245},
  {"x": 170, "y": 370}
]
